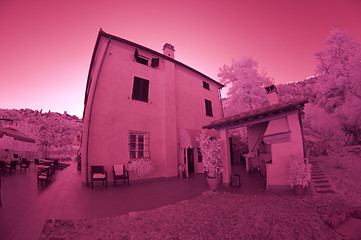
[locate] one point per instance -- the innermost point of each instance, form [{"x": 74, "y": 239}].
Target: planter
[
  {"x": 213, "y": 183},
  {"x": 299, "y": 190}
]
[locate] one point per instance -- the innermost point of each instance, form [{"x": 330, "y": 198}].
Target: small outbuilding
[{"x": 274, "y": 135}]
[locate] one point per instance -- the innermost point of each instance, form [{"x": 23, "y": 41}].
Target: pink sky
[{"x": 46, "y": 46}]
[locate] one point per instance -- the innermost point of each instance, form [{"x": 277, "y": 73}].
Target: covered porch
[{"x": 274, "y": 134}]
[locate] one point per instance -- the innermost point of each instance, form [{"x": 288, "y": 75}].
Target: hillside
[{"x": 53, "y": 132}]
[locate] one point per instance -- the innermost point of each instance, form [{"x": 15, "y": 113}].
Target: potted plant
[
  {"x": 211, "y": 149},
  {"x": 299, "y": 174},
  {"x": 141, "y": 167}
]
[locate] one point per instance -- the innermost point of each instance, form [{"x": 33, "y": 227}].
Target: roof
[{"x": 259, "y": 115}]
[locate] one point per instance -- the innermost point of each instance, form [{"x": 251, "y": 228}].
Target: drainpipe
[{"x": 90, "y": 113}]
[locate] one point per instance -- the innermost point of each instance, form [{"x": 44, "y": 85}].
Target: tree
[
  {"x": 339, "y": 70},
  {"x": 339, "y": 81},
  {"x": 245, "y": 86}
]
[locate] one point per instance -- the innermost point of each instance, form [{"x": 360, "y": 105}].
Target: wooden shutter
[
  {"x": 140, "y": 89},
  {"x": 206, "y": 85},
  {"x": 136, "y": 87},
  {"x": 144, "y": 88},
  {"x": 208, "y": 107},
  {"x": 155, "y": 62}
]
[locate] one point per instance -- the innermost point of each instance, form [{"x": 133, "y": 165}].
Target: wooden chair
[
  {"x": 43, "y": 175},
  {"x": 120, "y": 173},
  {"x": 37, "y": 162},
  {"x": 11, "y": 166},
  {"x": 25, "y": 164},
  {"x": 2, "y": 166},
  {"x": 98, "y": 174}
]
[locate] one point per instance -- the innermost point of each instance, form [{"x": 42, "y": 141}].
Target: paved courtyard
[{"x": 26, "y": 207}]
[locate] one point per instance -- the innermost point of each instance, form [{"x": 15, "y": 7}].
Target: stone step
[
  {"x": 317, "y": 177},
  {"x": 323, "y": 186},
  {"x": 320, "y": 181},
  {"x": 316, "y": 172},
  {"x": 325, "y": 191}
]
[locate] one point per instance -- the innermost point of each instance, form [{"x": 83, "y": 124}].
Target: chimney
[
  {"x": 272, "y": 94},
  {"x": 168, "y": 50}
]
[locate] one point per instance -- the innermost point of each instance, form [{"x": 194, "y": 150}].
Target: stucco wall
[
  {"x": 190, "y": 105},
  {"x": 176, "y": 100},
  {"x": 278, "y": 171}
]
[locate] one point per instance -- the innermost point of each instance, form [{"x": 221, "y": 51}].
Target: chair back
[
  {"x": 118, "y": 169},
  {"x": 13, "y": 164},
  {"x": 97, "y": 169}
]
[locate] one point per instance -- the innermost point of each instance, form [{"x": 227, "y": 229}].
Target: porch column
[{"x": 226, "y": 157}]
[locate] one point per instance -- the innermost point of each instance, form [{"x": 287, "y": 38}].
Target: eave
[{"x": 264, "y": 114}]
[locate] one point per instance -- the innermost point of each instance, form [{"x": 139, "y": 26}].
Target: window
[
  {"x": 140, "y": 89},
  {"x": 199, "y": 155},
  {"x": 138, "y": 145},
  {"x": 208, "y": 107},
  {"x": 140, "y": 59},
  {"x": 206, "y": 85},
  {"x": 154, "y": 62}
]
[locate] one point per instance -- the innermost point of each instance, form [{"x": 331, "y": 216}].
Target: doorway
[{"x": 190, "y": 157}]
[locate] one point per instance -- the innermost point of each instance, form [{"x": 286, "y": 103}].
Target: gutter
[{"x": 90, "y": 111}]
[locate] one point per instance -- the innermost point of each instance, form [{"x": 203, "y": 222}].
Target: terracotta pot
[
  {"x": 213, "y": 183},
  {"x": 299, "y": 190}
]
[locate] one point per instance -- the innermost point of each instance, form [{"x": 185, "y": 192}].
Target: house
[
  {"x": 274, "y": 134},
  {"x": 140, "y": 103}
]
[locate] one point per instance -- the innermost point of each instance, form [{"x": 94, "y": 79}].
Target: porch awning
[
  {"x": 260, "y": 115},
  {"x": 15, "y": 134}
]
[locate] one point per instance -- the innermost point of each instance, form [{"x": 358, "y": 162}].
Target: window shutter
[
  {"x": 140, "y": 89},
  {"x": 136, "y": 87},
  {"x": 155, "y": 62},
  {"x": 145, "y": 90},
  {"x": 208, "y": 107},
  {"x": 136, "y": 54},
  {"x": 206, "y": 85}
]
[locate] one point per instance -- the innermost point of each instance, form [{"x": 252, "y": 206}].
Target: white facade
[{"x": 172, "y": 110}]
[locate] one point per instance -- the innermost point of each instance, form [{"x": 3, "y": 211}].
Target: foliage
[
  {"x": 334, "y": 92},
  {"x": 300, "y": 171},
  {"x": 142, "y": 167},
  {"x": 339, "y": 87},
  {"x": 211, "y": 149},
  {"x": 299, "y": 90},
  {"x": 245, "y": 84}
]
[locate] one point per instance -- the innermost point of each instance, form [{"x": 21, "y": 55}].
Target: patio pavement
[{"x": 26, "y": 207}]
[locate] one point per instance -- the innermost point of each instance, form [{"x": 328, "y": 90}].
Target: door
[{"x": 190, "y": 160}]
